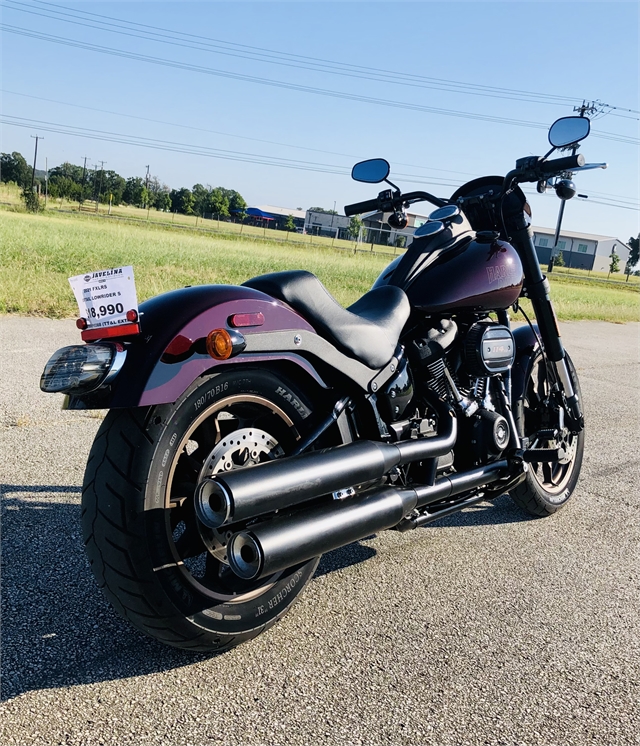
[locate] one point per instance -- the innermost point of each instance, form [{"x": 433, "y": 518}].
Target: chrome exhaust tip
[
  {"x": 213, "y": 503},
  {"x": 245, "y": 556}
]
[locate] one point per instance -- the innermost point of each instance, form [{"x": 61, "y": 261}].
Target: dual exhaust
[
  {"x": 274, "y": 545},
  {"x": 277, "y": 485},
  {"x": 287, "y": 540}
]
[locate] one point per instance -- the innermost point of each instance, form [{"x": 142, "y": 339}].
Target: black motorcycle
[{"x": 253, "y": 428}]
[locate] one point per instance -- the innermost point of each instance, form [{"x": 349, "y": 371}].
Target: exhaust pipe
[
  {"x": 281, "y": 484},
  {"x": 288, "y": 540}
]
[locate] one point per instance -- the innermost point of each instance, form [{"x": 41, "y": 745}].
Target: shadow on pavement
[{"x": 58, "y": 630}]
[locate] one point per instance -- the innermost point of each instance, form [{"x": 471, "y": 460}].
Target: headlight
[{"x": 81, "y": 368}]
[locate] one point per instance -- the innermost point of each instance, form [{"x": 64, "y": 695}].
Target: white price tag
[{"x": 104, "y": 297}]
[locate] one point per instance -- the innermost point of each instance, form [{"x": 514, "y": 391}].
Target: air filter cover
[{"x": 489, "y": 349}]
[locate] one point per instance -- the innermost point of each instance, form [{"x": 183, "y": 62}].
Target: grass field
[{"x": 39, "y": 252}]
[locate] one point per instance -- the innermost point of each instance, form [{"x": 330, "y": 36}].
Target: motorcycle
[{"x": 254, "y": 428}]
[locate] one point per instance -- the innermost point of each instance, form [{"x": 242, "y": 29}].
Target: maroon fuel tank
[{"x": 468, "y": 274}]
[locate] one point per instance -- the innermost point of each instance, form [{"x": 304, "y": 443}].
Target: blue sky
[{"x": 569, "y": 51}]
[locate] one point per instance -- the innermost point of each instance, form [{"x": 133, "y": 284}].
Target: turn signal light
[{"x": 221, "y": 344}]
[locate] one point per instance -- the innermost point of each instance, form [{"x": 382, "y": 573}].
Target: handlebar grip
[
  {"x": 562, "y": 164},
  {"x": 358, "y": 207}
]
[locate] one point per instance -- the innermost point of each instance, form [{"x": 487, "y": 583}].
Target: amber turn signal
[{"x": 219, "y": 344}]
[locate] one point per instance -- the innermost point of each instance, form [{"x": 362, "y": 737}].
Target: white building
[
  {"x": 319, "y": 223},
  {"x": 580, "y": 250}
]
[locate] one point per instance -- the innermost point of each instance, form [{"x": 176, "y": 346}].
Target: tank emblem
[{"x": 501, "y": 272}]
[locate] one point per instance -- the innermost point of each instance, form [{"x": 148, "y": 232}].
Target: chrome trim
[
  {"x": 116, "y": 365},
  {"x": 565, "y": 378}
]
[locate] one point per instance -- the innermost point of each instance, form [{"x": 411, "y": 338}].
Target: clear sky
[{"x": 250, "y": 87}]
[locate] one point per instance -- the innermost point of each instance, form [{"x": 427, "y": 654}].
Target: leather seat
[{"x": 368, "y": 330}]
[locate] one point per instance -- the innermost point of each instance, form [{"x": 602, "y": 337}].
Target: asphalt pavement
[{"x": 487, "y": 628}]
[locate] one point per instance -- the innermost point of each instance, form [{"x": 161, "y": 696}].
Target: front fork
[{"x": 537, "y": 290}]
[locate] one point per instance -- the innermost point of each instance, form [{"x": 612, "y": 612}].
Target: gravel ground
[{"x": 487, "y": 628}]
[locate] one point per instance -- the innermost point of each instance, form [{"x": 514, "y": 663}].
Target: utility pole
[
  {"x": 100, "y": 187},
  {"x": 146, "y": 186},
  {"x": 84, "y": 174},
  {"x": 35, "y": 157}
]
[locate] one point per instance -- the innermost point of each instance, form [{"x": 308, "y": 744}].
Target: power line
[
  {"x": 225, "y": 155},
  {"x": 226, "y": 134},
  {"x": 292, "y": 86},
  {"x": 217, "y": 46},
  {"x": 188, "y": 149}
]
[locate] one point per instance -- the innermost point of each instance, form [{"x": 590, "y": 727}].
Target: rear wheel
[
  {"x": 548, "y": 486},
  {"x": 160, "y": 567}
]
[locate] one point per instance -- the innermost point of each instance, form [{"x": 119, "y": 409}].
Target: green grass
[{"x": 39, "y": 252}]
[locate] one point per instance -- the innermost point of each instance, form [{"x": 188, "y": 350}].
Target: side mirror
[
  {"x": 568, "y": 130},
  {"x": 371, "y": 172}
]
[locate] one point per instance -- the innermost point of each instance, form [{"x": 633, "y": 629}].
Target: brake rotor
[{"x": 248, "y": 446}]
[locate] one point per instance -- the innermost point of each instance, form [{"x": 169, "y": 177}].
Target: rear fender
[{"x": 176, "y": 321}]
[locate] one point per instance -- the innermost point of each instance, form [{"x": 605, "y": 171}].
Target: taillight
[{"x": 81, "y": 368}]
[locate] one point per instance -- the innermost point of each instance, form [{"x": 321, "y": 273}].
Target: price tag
[{"x": 104, "y": 297}]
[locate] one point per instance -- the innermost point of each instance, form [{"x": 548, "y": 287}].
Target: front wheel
[
  {"x": 548, "y": 486},
  {"x": 160, "y": 567}
]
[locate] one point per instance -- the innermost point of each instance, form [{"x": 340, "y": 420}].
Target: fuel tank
[{"x": 466, "y": 273}]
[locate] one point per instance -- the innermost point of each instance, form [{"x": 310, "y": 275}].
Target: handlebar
[
  {"x": 562, "y": 164},
  {"x": 359, "y": 207},
  {"x": 395, "y": 202}
]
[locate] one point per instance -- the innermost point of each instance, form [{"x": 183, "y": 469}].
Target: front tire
[
  {"x": 548, "y": 486},
  {"x": 162, "y": 569}
]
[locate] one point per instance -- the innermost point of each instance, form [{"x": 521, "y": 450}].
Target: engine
[{"x": 465, "y": 366}]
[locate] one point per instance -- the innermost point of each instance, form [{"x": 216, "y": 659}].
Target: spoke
[{"x": 207, "y": 434}]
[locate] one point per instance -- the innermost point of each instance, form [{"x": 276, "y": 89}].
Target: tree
[
  {"x": 218, "y": 202},
  {"x": 289, "y": 225},
  {"x": 182, "y": 201},
  {"x": 162, "y": 201},
  {"x": 135, "y": 192},
  {"x": 614, "y": 265},
  {"x": 559, "y": 260},
  {"x": 113, "y": 186},
  {"x": 634, "y": 254},
  {"x": 321, "y": 209},
  {"x": 237, "y": 204},
  {"x": 13, "y": 167},
  {"x": 355, "y": 226},
  {"x": 200, "y": 199},
  {"x": 31, "y": 199}
]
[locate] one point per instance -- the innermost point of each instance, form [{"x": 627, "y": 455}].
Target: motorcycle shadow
[
  {"x": 58, "y": 630},
  {"x": 495, "y": 512}
]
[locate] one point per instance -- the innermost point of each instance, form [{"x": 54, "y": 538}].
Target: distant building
[
  {"x": 580, "y": 250},
  {"x": 270, "y": 216},
  {"x": 378, "y": 231},
  {"x": 319, "y": 223}
]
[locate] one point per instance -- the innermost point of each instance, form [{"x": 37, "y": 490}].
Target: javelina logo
[{"x": 87, "y": 278}]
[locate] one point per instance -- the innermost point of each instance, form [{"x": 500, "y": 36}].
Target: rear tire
[
  {"x": 547, "y": 487},
  {"x": 162, "y": 569}
]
